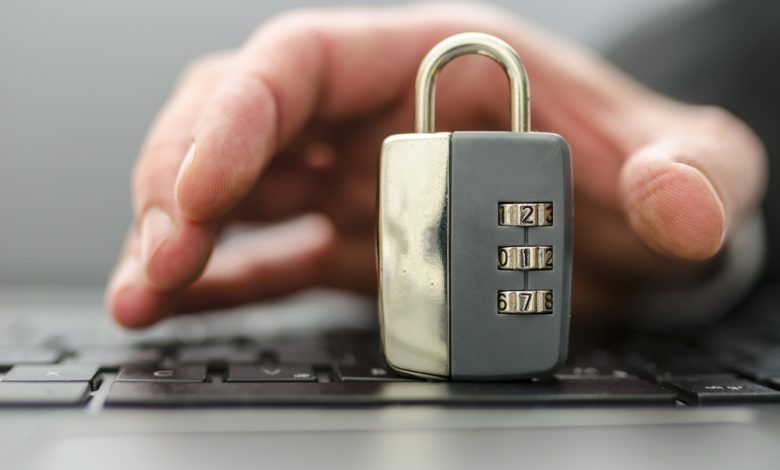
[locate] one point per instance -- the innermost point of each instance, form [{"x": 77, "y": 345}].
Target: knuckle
[
  {"x": 293, "y": 18},
  {"x": 721, "y": 123},
  {"x": 716, "y": 119},
  {"x": 455, "y": 16},
  {"x": 291, "y": 25}
]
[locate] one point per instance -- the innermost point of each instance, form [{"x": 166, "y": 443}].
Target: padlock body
[
  {"x": 532, "y": 170},
  {"x": 412, "y": 252},
  {"x": 440, "y": 237}
]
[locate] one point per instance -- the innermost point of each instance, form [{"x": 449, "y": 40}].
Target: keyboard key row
[
  {"x": 296, "y": 386},
  {"x": 596, "y": 391},
  {"x": 112, "y": 358},
  {"x": 217, "y": 354},
  {"x": 235, "y": 373}
]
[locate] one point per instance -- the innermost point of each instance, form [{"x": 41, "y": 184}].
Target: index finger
[{"x": 293, "y": 69}]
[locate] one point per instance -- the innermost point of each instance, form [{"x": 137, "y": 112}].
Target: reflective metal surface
[
  {"x": 472, "y": 43},
  {"x": 413, "y": 253}
]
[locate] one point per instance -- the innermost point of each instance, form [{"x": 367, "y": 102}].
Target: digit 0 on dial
[
  {"x": 525, "y": 301},
  {"x": 525, "y": 257},
  {"x": 525, "y": 214}
]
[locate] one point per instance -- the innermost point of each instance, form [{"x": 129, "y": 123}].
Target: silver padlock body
[
  {"x": 487, "y": 169},
  {"x": 413, "y": 259},
  {"x": 439, "y": 235}
]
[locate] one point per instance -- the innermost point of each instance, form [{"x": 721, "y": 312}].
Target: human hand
[{"x": 292, "y": 123}]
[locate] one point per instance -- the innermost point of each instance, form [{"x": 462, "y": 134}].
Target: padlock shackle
[{"x": 472, "y": 43}]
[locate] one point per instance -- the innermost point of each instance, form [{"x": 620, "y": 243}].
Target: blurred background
[{"x": 81, "y": 80}]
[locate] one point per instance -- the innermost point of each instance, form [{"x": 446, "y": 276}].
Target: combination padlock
[{"x": 474, "y": 238}]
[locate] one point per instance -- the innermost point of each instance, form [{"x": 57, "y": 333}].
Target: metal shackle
[{"x": 472, "y": 43}]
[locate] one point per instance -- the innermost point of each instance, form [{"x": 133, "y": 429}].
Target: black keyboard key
[
  {"x": 601, "y": 392},
  {"x": 270, "y": 373},
  {"x": 594, "y": 364},
  {"x": 114, "y": 358},
  {"x": 759, "y": 368},
  {"x": 775, "y": 382},
  {"x": 13, "y": 355},
  {"x": 188, "y": 373},
  {"x": 217, "y": 354},
  {"x": 368, "y": 374},
  {"x": 591, "y": 372},
  {"x": 43, "y": 393},
  {"x": 685, "y": 366},
  {"x": 723, "y": 390},
  {"x": 52, "y": 373},
  {"x": 366, "y": 343}
]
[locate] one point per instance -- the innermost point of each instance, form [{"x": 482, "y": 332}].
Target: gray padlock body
[{"x": 487, "y": 168}]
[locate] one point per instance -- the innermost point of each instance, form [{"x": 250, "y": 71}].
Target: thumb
[{"x": 683, "y": 192}]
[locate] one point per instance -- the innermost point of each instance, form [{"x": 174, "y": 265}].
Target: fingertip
[
  {"x": 132, "y": 304},
  {"x": 180, "y": 259},
  {"x": 135, "y": 307},
  {"x": 673, "y": 207}
]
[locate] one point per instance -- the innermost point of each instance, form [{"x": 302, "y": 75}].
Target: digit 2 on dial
[{"x": 525, "y": 214}]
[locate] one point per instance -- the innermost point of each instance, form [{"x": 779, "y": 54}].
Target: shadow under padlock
[{"x": 474, "y": 238}]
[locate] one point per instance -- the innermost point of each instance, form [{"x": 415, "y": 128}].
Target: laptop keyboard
[
  {"x": 347, "y": 369},
  {"x": 734, "y": 362}
]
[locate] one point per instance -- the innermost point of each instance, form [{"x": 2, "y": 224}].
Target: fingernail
[
  {"x": 156, "y": 228},
  {"x": 718, "y": 201},
  {"x": 185, "y": 165},
  {"x": 127, "y": 274}
]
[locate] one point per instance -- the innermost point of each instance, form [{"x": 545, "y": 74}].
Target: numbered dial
[
  {"x": 525, "y": 214},
  {"x": 525, "y": 301},
  {"x": 525, "y": 257}
]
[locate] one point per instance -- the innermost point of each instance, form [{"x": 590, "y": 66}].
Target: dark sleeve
[{"x": 725, "y": 53}]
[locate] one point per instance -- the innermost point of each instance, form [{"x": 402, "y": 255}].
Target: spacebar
[{"x": 603, "y": 392}]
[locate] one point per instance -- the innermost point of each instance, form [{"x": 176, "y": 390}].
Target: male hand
[{"x": 286, "y": 132}]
